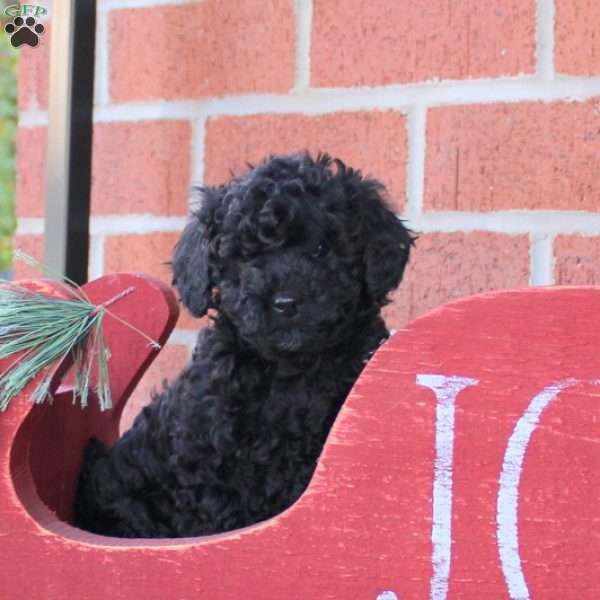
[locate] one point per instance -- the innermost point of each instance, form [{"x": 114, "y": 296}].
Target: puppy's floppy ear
[
  {"x": 193, "y": 262},
  {"x": 387, "y": 242}
]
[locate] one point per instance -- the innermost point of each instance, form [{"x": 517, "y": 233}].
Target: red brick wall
[{"x": 483, "y": 119}]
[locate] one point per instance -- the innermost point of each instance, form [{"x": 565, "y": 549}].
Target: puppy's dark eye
[{"x": 320, "y": 250}]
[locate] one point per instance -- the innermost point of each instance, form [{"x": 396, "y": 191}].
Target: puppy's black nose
[{"x": 286, "y": 305}]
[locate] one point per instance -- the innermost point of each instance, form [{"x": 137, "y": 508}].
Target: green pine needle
[{"x": 38, "y": 331}]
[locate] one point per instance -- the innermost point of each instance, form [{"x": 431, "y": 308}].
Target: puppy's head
[{"x": 296, "y": 254}]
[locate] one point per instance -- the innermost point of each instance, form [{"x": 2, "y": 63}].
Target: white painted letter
[
  {"x": 508, "y": 493},
  {"x": 446, "y": 389}
]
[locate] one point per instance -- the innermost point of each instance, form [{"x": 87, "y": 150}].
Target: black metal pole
[{"x": 69, "y": 160}]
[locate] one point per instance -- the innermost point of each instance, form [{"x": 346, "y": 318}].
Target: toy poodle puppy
[{"x": 297, "y": 258}]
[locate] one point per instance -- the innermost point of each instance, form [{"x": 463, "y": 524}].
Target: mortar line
[
  {"x": 135, "y": 224},
  {"x": 416, "y": 128},
  {"x": 30, "y": 226},
  {"x": 328, "y": 101},
  {"x": 184, "y": 337},
  {"x": 96, "y": 260},
  {"x": 110, "y": 4},
  {"x": 544, "y": 39},
  {"x": 511, "y": 222},
  {"x": 102, "y": 63},
  {"x": 303, "y": 14},
  {"x": 197, "y": 151},
  {"x": 540, "y": 259}
]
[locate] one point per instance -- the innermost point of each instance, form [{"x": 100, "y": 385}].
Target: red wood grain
[{"x": 482, "y": 408}]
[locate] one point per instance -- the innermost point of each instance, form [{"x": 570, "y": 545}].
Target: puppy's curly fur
[{"x": 297, "y": 257}]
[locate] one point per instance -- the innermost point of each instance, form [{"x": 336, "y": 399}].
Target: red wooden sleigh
[{"x": 465, "y": 464}]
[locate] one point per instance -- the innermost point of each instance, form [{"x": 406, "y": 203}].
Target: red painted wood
[
  {"x": 365, "y": 523},
  {"x": 47, "y": 441}
]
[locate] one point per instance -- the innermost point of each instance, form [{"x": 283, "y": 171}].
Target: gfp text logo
[{"x": 24, "y": 10}]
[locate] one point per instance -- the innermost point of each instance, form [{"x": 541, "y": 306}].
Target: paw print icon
[{"x": 24, "y": 31}]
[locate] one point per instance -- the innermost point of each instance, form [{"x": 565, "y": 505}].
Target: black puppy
[{"x": 297, "y": 258}]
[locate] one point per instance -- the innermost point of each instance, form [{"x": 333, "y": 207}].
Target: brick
[
  {"x": 146, "y": 253},
  {"x": 513, "y": 156},
  {"x": 33, "y": 245},
  {"x": 383, "y": 42},
  {"x": 202, "y": 49},
  {"x": 34, "y": 72},
  {"x": 141, "y": 167},
  {"x": 31, "y": 172},
  {"x": 577, "y": 260},
  {"x": 167, "y": 365},
  {"x": 577, "y": 37},
  {"x": 374, "y": 142},
  {"x": 447, "y": 266}
]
